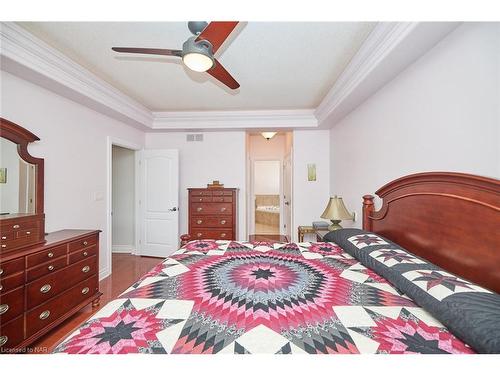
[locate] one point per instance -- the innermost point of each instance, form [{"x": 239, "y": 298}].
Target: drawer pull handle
[
  {"x": 50, "y": 268},
  {"x": 50, "y": 255},
  {"x": 1, "y": 271},
  {"x": 198, "y": 234},
  {"x": 85, "y": 243},
  {"x": 223, "y": 209},
  {"x": 4, "y": 237},
  {"x": 46, "y": 288},
  {"x": 85, "y": 290},
  {"x": 3, "y": 340},
  {"x": 15, "y": 226},
  {"x": 199, "y": 209},
  {"x": 85, "y": 269},
  {"x": 4, "y": 246},
  {"x": 223, "y": 222},
  {"x": 3, "y": 308},
  {"x": 1, "y": 287},
  {"x": 44, "y": 315},
  {"x": 223, "y": 235},
  {"x": 85, "y": 253},
  {"x": 28, "y": 233},
  {"x": 199, "y": 221},
  {"x": 201, "y": 199}
]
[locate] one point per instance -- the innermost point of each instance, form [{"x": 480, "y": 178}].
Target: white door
[
  {"x": 287, "y": 196},
  {"x": 159, "y": 202}
]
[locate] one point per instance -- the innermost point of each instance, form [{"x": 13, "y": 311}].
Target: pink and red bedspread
[{"x": 241, "y": 297}]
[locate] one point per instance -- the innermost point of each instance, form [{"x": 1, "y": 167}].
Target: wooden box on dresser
[
  {"x": 44, "y": 279},
  {"x": 212, "y": 213},
  {"x": 43, "y": 285}
]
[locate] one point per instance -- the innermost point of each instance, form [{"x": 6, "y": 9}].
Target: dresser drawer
[
  {"x": 32, "y": 233},
  {"x": 12, "y": 333},
  {"x": 212, "y": 208},
  {"x": 49, "y": 286},
  {"x": 83, "y": 243},
  {"x": 11, "y": 282},
  {"x": 43, "y": 315},
  {"x": 46, "y": 268},
  {"x": 197, "y": 193},
  {"x": 78, "y": 255},
  {"x": 11, "y": 267},
  {"x": 200, "y": 199},
  {"x": 222, "y": 192},
  {"x": 11, "y": 305},
  {"x": 27, "y": 224},
  {"x": 222, "y": 199},
  {"x": 7, "y": 236},
  {"x": 212, "y": 234},
  {"x": 20, "y": 242},
  {"x": 45, "y": 255},
  {"x": 211, "y": 222}
]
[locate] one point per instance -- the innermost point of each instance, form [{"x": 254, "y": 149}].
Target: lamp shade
[{"x": 336, "y": 210}]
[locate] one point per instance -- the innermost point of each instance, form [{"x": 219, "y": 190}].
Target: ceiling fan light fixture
[
  {"x": 268, "y": 135},
  {"x": 198, "y": 62}
]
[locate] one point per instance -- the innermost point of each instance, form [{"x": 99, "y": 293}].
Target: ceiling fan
[{"x": 198, "y": 51}]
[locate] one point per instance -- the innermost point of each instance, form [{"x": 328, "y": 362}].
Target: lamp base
[{"x": 335, "y": 225}]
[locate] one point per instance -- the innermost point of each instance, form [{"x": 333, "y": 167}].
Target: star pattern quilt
[{"x": 214, "y": 297}]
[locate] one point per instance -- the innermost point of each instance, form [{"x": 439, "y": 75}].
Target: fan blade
[
  {"x": 149, "y": 51},
  {"x": 221, "y": 74},
  {"x": 216, "y": 33}
]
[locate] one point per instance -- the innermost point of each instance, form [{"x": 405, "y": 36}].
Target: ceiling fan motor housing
[{"x": 203, "y": 47}]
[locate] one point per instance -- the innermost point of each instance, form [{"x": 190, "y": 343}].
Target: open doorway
[
  {"x": 269, "y": 183},
  {"x": 267, "y": 192},
  {"x": 123, "y": 200}
]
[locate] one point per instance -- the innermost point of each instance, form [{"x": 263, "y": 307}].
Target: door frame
[
  {"x": 251, "y": 201},
  {"x": 110, "y": 142}
]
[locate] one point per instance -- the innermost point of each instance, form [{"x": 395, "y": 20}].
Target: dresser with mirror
[{"x": 44, "y": 278}]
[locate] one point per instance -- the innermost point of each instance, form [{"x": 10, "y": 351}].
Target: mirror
[{"x": 17, "y": 181}]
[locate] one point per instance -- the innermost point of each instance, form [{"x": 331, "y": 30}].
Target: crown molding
[
  {"x": 22, "y": 52},
  {"x": 299, "y": 118},
  {"x": 389, "y": 49}
]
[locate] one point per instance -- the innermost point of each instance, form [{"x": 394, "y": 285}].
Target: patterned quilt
[{"x": 259, "y": 297}]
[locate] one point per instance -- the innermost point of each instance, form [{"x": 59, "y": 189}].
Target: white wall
[
  {"x": 310, "y": 197},
  {"x": 260, "y": 148},
  {"x": 123, "y": 182},
  {"x": 442, "y": 113},
  {"x": 221, "y": 156},
  {"x": 73, "y": 144}
]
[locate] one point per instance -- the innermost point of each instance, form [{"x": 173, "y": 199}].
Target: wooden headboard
[{"x": 450, "y": 219}]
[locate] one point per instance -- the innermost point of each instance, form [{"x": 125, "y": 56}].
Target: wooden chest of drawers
[
  {"x": 43, "y": 285},
  {"x": 213, "y": 213}
]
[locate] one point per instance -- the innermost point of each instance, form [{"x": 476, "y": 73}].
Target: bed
[{"x": 352, "y": 295}]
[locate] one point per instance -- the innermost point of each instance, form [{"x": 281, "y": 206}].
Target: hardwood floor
[
  {"x": 268, "y": 237},
  {"x": 126, "y": 269}
]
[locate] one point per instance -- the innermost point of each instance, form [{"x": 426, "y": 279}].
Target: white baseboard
[
  {"x": 128, "y": 249},
  {"x": 104, "y": 273}
]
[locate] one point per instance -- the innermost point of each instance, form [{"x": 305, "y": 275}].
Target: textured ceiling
[{"x": 280, "y": 65}]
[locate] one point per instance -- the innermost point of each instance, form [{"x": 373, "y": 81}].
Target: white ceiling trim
[
  {"x": 18, "y": 46},
  {"x": 389, "y": 49},
  {"x": 301, "y": 118}
]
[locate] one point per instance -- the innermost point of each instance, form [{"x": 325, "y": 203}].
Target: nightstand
[
  {"x": 304, "y": 230},
  {"x": 320, "y": 234}
]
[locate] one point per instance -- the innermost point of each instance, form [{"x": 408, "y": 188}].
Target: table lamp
[{"x": 336, "y": 212}]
